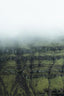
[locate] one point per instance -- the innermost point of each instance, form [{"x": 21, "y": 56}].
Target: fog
[{"x": 27, "y": 20}]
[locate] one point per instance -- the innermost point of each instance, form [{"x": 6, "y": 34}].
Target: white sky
[{"x": 31, "y": 17}]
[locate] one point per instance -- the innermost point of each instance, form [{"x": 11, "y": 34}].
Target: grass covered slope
[{"x": 33, "y": 71}]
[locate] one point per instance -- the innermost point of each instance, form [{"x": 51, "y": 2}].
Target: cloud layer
[{"x": 31, "y": 19}]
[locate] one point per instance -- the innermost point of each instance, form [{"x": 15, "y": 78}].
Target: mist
[{"x": 31, "y": 20}]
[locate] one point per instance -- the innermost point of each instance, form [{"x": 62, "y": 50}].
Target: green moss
[
  {"x": 8, "y": 81},
  {"x": 40, "y": 84},
  {"x": 59, "y": 62},
  {"x": 57, "y": 83},
  {"x": 11, "y": 63}
]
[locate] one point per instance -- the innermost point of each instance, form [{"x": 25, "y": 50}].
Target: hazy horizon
[{"x": 29, "y": 19}]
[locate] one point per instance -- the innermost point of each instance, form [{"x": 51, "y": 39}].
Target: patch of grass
[
  {"x": 40, "y": 84},
  {"x": 59, "y": 62},
  {"x": 57, "y": 83}
]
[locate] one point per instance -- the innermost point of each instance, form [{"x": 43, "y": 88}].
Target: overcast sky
[{"x": 31, "y": 18}]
